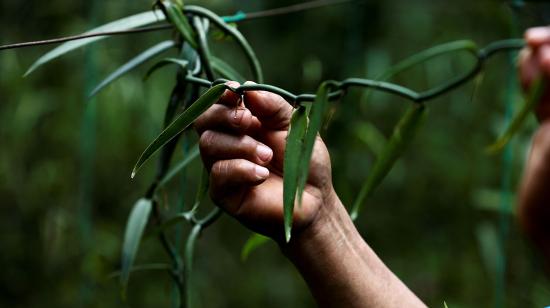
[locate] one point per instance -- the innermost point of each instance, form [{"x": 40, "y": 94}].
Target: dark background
[{"x": 437, "y": 221}]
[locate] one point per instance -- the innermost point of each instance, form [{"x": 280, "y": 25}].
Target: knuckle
[
  {"x": 220, "y": 168},
  {"x": 206, "y": 141}
]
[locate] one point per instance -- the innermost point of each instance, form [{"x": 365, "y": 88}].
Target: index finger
[
  {"x": 230, "y": 98},
  {"x": 272, "y": 110}
]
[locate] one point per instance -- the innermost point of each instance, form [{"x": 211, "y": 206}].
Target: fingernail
[
  {"x": 264, "y": 152},
  {"x": 538, "y": 34},
  {"x": 261, "y": 172}
]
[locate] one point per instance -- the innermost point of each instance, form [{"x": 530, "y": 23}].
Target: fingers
[
  {"x": 228, "y": 178},
  {"x": 271, "y": 109},
  {"x": 216, "y": 146}
]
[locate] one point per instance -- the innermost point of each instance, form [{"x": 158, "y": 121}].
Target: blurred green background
[{"x": 437, "y": 221}]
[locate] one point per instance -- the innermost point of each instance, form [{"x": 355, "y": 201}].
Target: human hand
[
  {"x": 534, "y": 61},
  {"x": 242, "y": 146}
]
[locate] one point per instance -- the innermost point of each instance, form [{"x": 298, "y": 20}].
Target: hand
[
  {"x": 535, "y": 61},
  {"x": 243, "y": 149},
  {"x": 242, "y": 145}
]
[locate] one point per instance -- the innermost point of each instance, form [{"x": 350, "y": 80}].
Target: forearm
[{"x": 339, "y": 267}]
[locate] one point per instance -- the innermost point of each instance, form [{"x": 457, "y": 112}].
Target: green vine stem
[{"x": 481, "y": 55}]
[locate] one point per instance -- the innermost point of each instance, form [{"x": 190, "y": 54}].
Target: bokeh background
[{"x": 439, "y": 221}]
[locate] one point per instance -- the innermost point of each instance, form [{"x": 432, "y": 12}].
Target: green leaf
[
  {"x": 488, "y": 241},
  {"x": 190, "y": 295},
  {"x": 371, "y": 136},
  {"x": 126, "y": 23},
  {"x": 423, "y": 56},
  {"x": 133, "y": 63},
  {"x": 132, "y": 236},
  {"x": 225, "y": 70},
  {"x": 234, "y": 33},
  {"x": 254, "y": 241},
  {"x": 181, "y": 63},
  {"x": 317, "y": 112},
  {"x": 174, "y": 14},
  {"x": 143, "y": 267},
  {"x": 193, "y": 153},
  {"x": 181, "y": 123},
  {"x": 403, "y": 133},
  {"x": 202, "y": 190},
  {"x": 293, "y": 150},
  {"x": 445, "y": 305},
  {"x": 172, "y": 221},
  {"x": 533, "y": 97}
]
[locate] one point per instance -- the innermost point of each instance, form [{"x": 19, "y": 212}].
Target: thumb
[{"x": 272, "y": 110}]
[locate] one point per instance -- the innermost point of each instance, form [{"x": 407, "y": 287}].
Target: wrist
[
  {"x": 339, "y": 267},
  {"x": 330, "y": 230}
]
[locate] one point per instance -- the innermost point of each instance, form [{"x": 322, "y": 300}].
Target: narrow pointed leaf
[
  {"x": 293, "y": 150},
  {"x": 126, "y": 23},
  {"x": 234, "y": 33},
  {"x": 175, "y": 15},
  {"x": 133, "y": 63},
  {"x": 225, "y": 70},
  {"x": 423, "y": 56},
  {"x": 534, "y": 96},
  {"x": 191, "y": 155},
  {"x": 143, "y": 267},
  {"x": 169, "y": 222},
  {"x": 254, "y": 241},
  {"x": 201, "y": 190},
  {"x": 132, "y": 236},
  {"x": 316, "y": 115},
  {"x": 181, "y": 63},
  {"x": 188, "y": 261},
  {"x": 371, "y": 136},
  {"x": 403, "y": 133},
  {"x": 181, "y": 123}
]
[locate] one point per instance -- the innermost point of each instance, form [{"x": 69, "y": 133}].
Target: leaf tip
[
  {"x": 27, "y": 73},
  {"x": 93, "y": 93},
  {"x": 353, "y": 215},
  {"x": 287, "y": 233},
  {"x": 123, "y": 292},
  {"x": 494, "y": 148},
  {"x": 133, "y": 174}
]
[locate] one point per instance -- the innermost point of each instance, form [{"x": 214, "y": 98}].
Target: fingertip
[
  {"x": 229, "y": 97},
  {"x": 232, "y": 84},
  {"x": 544, "y": 59},
  {"x": 537, "y": 36},
  {"x": 261, "y": 172},
  {"x": 264, "y": 153}
]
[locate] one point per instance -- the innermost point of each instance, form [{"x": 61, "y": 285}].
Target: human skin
[
  {"x": 242, "y": 144},
  {"x": 534, "y": 192}
]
